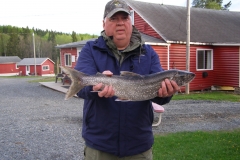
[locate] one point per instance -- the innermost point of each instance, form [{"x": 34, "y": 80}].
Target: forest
[{"x": 15, "y": 41}]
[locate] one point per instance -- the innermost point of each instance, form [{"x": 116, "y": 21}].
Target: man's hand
[
  {"x": 168, "y": 88},
  {"x": 104, "y": 91}
]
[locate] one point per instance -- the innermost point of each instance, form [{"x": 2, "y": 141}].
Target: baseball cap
[{"x": 115, "y": 6}]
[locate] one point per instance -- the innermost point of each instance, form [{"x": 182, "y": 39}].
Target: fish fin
[
  {"x": 127, "y": 73},
  {"x": 76, "y": 78}
]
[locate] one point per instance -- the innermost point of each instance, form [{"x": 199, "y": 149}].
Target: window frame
[
  {"x": 48, "y": 68},
  {"x": 204, "y": 57},
  {"x": 132, "y": 16},
  {"x": 69, "y": 58}
]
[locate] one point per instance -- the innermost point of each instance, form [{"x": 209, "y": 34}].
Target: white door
[{"x": 27, "y": 70}]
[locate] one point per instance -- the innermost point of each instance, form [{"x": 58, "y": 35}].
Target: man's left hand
[{"x": 168, "y": 88}]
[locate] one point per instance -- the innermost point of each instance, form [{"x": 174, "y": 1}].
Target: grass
[
  {"x": 209, "y": 95},
  {"x": 199, "y": 145},
  {"x": 43, "y": 79},
  {"x": 34, "y": 79}
]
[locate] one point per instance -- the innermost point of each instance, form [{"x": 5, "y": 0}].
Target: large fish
[{"x": 128, "y": 86}]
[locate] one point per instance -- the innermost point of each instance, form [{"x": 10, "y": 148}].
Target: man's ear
[{"x": 103, "y": 23}]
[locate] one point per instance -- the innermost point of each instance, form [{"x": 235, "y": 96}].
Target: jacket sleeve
[
  {"x": 156, "y": 67},
  {"x": 86, "y": 64}
]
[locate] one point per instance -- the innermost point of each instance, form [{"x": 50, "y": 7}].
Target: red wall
[
  {"x": 144, "y": 27},
  {"x": 40, "y": 72},
  {"x": 8, "y": 68},
  {"x": 73, "y": 52},
  {"x": 177, "y": 60},
  {"x": 226, "y": 66}
]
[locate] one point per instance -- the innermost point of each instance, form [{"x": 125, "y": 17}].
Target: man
[{"x": 112, "y": 129}]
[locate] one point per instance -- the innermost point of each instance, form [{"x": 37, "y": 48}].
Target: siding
[
  {"x": 8, "y": 69},
  {"x": 72, "y": 51},
  {"x": 226, "y": 66},
  {"x": 144, "y": 27},
  {"x": 178, "y": 61},
  {"x": 162, "y": 52}
]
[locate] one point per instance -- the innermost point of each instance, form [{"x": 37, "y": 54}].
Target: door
[{"x": 27, "y": 70}]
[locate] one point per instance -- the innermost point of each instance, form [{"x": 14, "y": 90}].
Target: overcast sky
[{"x": 67, "y": 16}]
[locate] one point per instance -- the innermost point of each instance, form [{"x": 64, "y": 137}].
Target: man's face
[{"x": 119, "y": 26}]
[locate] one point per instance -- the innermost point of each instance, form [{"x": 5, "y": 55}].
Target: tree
[
  {"x": 13, "y": 43},
  {"x": 211, "y": 4},
  {"x": 74, "y": 37}
]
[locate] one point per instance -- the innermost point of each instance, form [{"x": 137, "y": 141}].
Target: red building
[
  {"x": 44, "y": 66},
  {"x": 214, "y": 42},
  {"x": 8, "y": 65}
]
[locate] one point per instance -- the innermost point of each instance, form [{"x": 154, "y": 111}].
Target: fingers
[
  {"x": 108, "y": 73},
  {"x": 168, "y": 88},
  {"x": 106, "y": 91},
  {"x": 97, "y": 87}
]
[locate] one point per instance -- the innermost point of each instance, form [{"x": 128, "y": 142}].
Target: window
[
  {"x": 204, "y": 60},
  {"x": 68, "y": 59},
  {"x": 132, "y": 16},
  {"x": 45, "y": 68}
]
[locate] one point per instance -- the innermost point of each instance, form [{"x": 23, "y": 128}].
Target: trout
[{"x": 128, "y": 86}]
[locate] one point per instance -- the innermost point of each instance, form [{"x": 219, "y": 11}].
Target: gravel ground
[{"x": 36, "y": 122}]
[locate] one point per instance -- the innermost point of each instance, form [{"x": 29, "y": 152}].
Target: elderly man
[{"x": 112, "y": 129}]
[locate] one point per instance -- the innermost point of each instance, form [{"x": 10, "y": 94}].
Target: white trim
[
  {"x": 48, "y": 68},
  {"x": 69, "y": 58},
  {"x": 132, "y": 16},
  {"x": 157, "y": 44},
  {"x": 226, "y": 44},
  {"x": 48, "y": 75},
  {"x": 211, "y": 68},
  {"x": 9, "y": 74}
]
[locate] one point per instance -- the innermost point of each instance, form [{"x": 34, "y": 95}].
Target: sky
[{"x": 67, "y": 16}]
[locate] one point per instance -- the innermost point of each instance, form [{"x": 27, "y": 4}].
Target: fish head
[{"x": 183, "y": 77}]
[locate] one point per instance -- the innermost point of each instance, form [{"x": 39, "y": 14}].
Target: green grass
[
  {"x": 199, "y": 145},
  {"x": 209, "y": 95},
  {"x": 34, "y": 79},
  {"x": 43, "y": 79}
]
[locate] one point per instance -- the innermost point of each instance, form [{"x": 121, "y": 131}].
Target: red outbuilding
[
  {"x": 8, "y": 65},
  {"x": 44, "y": 66}
]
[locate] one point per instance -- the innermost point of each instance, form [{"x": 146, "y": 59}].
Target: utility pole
[
  {"x": 35, "y": 70},
  {"x": 188, "y": 44}
]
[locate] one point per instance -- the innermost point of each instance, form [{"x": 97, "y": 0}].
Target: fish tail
[{"x": 76, "y": 84}]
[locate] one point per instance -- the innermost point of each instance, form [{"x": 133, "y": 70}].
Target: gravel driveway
[{"x": 37, "y": 123}]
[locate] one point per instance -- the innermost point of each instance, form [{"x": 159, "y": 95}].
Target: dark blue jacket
[{"x": 119, "y": 128}]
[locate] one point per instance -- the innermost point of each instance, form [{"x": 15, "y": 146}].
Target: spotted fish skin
[{"x": 128, "y": 86}]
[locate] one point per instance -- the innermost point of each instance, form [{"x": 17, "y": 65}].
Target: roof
[
  {"x": 146, "y": 38},
  {"x": 9, "y": 59},
  {"x": 75, "y": 44},
  {"x": 31, "y": 61},
  {"x": 207, "y": 25}
]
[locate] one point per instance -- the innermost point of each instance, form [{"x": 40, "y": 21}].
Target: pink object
[{"x": 157, "y": 108}]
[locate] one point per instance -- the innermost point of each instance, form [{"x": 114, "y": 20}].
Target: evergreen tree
[
  {"x": 13, "y": 43},
  {"x": 74, "y": 37},
  {"x": 211, "y": 4}
]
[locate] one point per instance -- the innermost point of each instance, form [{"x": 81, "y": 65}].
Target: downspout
[{"x": 239, "y": 68}]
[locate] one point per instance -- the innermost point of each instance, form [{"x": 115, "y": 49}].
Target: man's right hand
[{"x": 104, "y": 91}]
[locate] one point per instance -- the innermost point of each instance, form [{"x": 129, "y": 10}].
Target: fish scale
[{"x": 128, "y": 86}]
